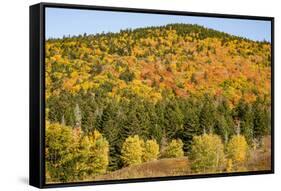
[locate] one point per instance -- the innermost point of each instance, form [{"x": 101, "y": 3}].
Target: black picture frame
[{"x": 37, "y": 93}]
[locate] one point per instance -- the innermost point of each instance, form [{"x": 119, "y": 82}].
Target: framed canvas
[{"x": 121, "y": 95}]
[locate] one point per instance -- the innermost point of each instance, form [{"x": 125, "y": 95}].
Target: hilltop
[{"x": 178, "y": 59}]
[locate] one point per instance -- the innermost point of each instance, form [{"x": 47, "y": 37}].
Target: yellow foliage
[
  {"x": 229, "y": 166},
  {"x": 70, "y": 155},
  {"x": 174, "y": 67},
  {"x": 207, "y": 153},
  {"x": 174, "y": 149},
  {"x": 237, "y": 149},
  {"x": 86, "y": 85},
  {"x": 151, "y": 151},
  {"x": 57, "y": 57},
  {"x": 59, "y": 151},
  {"x": 95, "y": 151},
  {"x": 74, "y": 74},
  {"x": 132, "y": 151},
  {"x": 166, "y": 45}
]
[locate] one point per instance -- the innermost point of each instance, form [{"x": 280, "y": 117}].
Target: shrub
[
  {"x": 151, "y": 151},
  {"x": 132, "y": 151},
  {"x": 207, "y": 153},
  {"x": 174, "y": 149},
  {"x": 237, "y": 149}
]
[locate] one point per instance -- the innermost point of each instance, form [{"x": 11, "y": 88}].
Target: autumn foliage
[
  {"x": 135, "y": 97},
  {"x": 237, "y": 150},
  {"x": 132, "y": 151},
  {"x": 151, "y": 151},
  {"x": 207, "y": 153},
  {"x": 174, "y": 149},
  {"x": 71, "y": 156}
]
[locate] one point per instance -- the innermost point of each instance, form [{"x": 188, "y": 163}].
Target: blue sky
[{"x": 62, "y": 21}]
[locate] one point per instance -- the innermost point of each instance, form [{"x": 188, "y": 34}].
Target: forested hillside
[{"x": 169, "y": 91}]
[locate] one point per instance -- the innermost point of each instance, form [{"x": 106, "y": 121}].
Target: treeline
[
  {"x": 181, "y": 28},
  {"x": 72, "y": 155},
  {"x": 166, "y": 120}
]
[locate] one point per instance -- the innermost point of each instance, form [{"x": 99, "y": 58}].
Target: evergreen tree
[
  {"x": 191, "y": 127},
  {"x": 110, "y": 126},
  {"x": 261, "y": 119},
  {"x": 223, "y": 120},
  {"x": 173, "y": 119},
  {"x": 207, "y": 117},
  {"x": 243, "y": 112}
]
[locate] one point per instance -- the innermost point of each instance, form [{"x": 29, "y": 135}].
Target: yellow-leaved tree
[
  {"x": 94, "y": 153},
  {"x": 151, "y": 151},
  {"x": 132, "y": 151},
  {"x": 237, "y": 149},
  {"x": 60, "y": 153},
  {"x": 207, "y": 153},
  {"x": 174, "y": 149}
]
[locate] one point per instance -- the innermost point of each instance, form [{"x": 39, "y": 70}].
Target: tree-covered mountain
[
  {"x": 162, "y": 83},
  {"x": 177, "y": 59}
]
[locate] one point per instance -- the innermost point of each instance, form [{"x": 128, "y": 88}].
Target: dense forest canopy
[
  {"x": 164, "y": 84},
  {"x": 177, "y": 59}
]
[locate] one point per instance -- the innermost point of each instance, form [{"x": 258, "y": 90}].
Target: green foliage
[
  {"x": 244, "y": 113},
  {"x": 110, "y": 124},
  {"x": 191, "y": 126},
  {"x": 173, "y": 118},
  {"x": 224, "y": 121},
  {"x": 207, "y": 153},
  {"x": 206, "y": 118},
  {"x": 127, "y": 75},
  {"x": 163, "y": 84},
  {"x": 261, "y": 119},
  {"x": 174, "y": 149}
]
